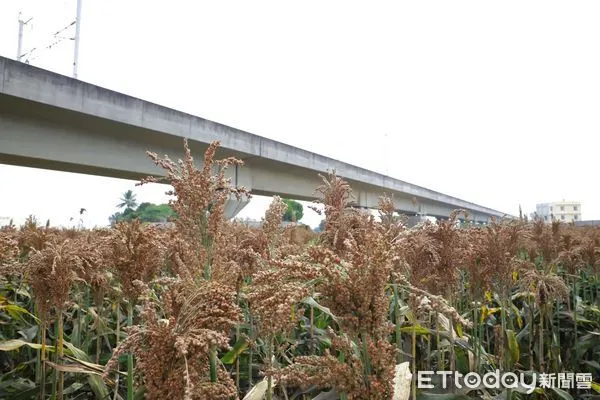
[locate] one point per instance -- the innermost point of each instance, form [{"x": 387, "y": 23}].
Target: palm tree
[
  {"x": 128, "y": 201},
  {"x": 114, "y": 218}
]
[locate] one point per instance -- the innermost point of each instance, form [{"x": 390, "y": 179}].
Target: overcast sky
[{"x": 493, "y": 102}]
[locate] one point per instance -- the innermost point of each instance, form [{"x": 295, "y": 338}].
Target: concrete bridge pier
[{"x": 233, "y": 206}]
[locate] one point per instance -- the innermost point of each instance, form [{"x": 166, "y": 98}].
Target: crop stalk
[
  {"x": 397, "y": 321},
  {"x": 237, "y": 360},
  {"x": 250, "y": 352},
  {"x": 504, "y": 361},
  {"x": 476, "y": 339},
  {"x": 429, "y": 344},
  {"x": 59, "y": 355},
  {"x": 541, "y": 340},
  {"x": 43, "y": 359},
  {"x": 130, "y": 392},
  {"x": 53, "y": 396},
  {"x": 576, "y": 366},
  {"x": 312, "y": 331},
  {"x": 504, "y": 337},
  {"x": 213, "y": 363},
  {"x": 269, "y": 395},
  {"x": 437, "y": 342},
  {"x": 98, "y": 331},
  {"x": 414, "y": 360},
  {"x": 531, "y": 333},
  {"x": 557, "y": 313},
  {"x": 452, "y": 361},
  {"x": 117, "y": 334},
  {"x": 37, "y": 361}
]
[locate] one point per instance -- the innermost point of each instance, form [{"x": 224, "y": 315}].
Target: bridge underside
[
  {"x": 55, "y": 122},
  {"x": 42, "y": 136}
]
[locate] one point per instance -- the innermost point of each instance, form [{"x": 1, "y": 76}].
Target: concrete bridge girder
[
  {"x": 48, "y": 144},
  {"x": 51, "y": 121}
]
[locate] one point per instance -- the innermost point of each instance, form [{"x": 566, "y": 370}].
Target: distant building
[
  {"x": 591, "y": 222},
  {"x": 563, "y": 211},
  {"x": 251, "y": 223}
]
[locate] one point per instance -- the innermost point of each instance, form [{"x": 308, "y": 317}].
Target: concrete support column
[
  {"x": 233, "y": 206},
  {"x": 240, "y": 176},
  {"x": 361, "y": 199},
  {"x": 415, "y": 220}
]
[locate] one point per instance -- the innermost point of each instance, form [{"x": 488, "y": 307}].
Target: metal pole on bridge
[
  {"x": 20, "y": 40},
  {"x": 76, "y": 50}
]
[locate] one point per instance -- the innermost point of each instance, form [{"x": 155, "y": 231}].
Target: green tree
[
  {"x": 148, "y": 212},
  {"x": 128, "y": 201},
  {"x": 145, "y": 212},
  {"x": 294, "y": 211},
  {"x": 113, "y": 219},
  {"x": 321, "y": 226}
]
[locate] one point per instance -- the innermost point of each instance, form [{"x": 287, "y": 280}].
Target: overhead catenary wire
[
  {"x": 65, "y": 28},
  {"x": 47, "y": 47}
]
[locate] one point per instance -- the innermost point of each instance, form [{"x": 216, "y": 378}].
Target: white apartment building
[{"x": 563, "y": 211}]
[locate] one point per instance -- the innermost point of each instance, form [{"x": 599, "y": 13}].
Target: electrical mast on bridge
[
  {"x": 56, "y": 39},
  {"x": 20, "y": 42}
]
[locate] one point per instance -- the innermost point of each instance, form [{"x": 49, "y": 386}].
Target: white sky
[{"x": 493, "y": 102}]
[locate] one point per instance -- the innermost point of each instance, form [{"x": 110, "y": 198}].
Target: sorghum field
[{"x": 211, "y": 309}]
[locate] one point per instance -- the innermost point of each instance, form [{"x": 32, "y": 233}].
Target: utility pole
[
  {"x": 20, "y": 42},
  {"x": 386, "y": 154},
  {"x": 76, "y": 52}
]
